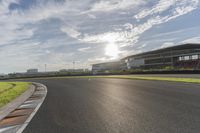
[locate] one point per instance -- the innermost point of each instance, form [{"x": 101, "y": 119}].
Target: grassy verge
[
  {"x": 5, "y": 86},
  {"x": 174, "y": 79},
  {"x": 186, "y": 80},
  {"x": 10, "y": 90},
  {"x": 155, "y": 78}
]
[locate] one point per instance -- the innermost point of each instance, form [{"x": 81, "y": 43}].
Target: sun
[{"x": 112, "y": 50}]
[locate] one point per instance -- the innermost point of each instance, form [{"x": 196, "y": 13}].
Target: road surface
[{"x": 117, "y": 106}]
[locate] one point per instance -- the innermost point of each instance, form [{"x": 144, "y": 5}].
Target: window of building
[
  {"x": 181, "y": 58},
  {"x": 194, "y": 57},
  {"x": 187, "y": 58}
]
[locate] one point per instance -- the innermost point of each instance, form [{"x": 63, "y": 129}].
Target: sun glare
[{"x": 112, "y": 50}]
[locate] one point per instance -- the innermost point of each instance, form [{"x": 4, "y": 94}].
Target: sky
[{"x": 59, "y": 32}]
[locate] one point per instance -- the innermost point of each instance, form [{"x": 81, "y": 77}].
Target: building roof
[{"x": 173, "y": 48}]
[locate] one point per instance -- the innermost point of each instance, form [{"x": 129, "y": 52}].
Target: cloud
[
  {"x": 173, "y": 33},
  {"x": 84, "y": 49},
  {"x": 104, "y": 5},
  {"x": 167, "y": 44},
  {"x": 180, "y": 6},
  {"x": 130, "y": 33},
  {"x": 103, "y": 38},
  {"x": 142, "y": 46},
  {"x": 48, "y": 30},
  {"x": 192, "y": 40},
  {"x": 160, "y": 7},
  {"x": 92, "y": 16},
  {"x": 71, "y": 32},
  {"x": 94, "y": 60}
]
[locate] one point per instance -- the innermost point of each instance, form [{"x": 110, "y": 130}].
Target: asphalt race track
[{"x": 117, "y": 106}]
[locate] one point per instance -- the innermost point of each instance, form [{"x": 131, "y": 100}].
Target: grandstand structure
[
  {"x": 185, "y": 56},
  {"x": 180, "y": 57}
]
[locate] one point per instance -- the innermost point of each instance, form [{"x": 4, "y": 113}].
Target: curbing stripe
[
  {"x": 10, "y": 129},
  {"x": 7, "y": 109},
  {"x": 21, "y": 129}
]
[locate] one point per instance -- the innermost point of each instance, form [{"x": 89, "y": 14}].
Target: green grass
[
  {"x": 186, "y": 80},
  {"x": 11, "y": 90},
  {"x": 133, "y": 77},
  {"x": 5, "y": 86}
]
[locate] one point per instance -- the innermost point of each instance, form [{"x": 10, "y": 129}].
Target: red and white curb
[{"x": 17, "y": 120}]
